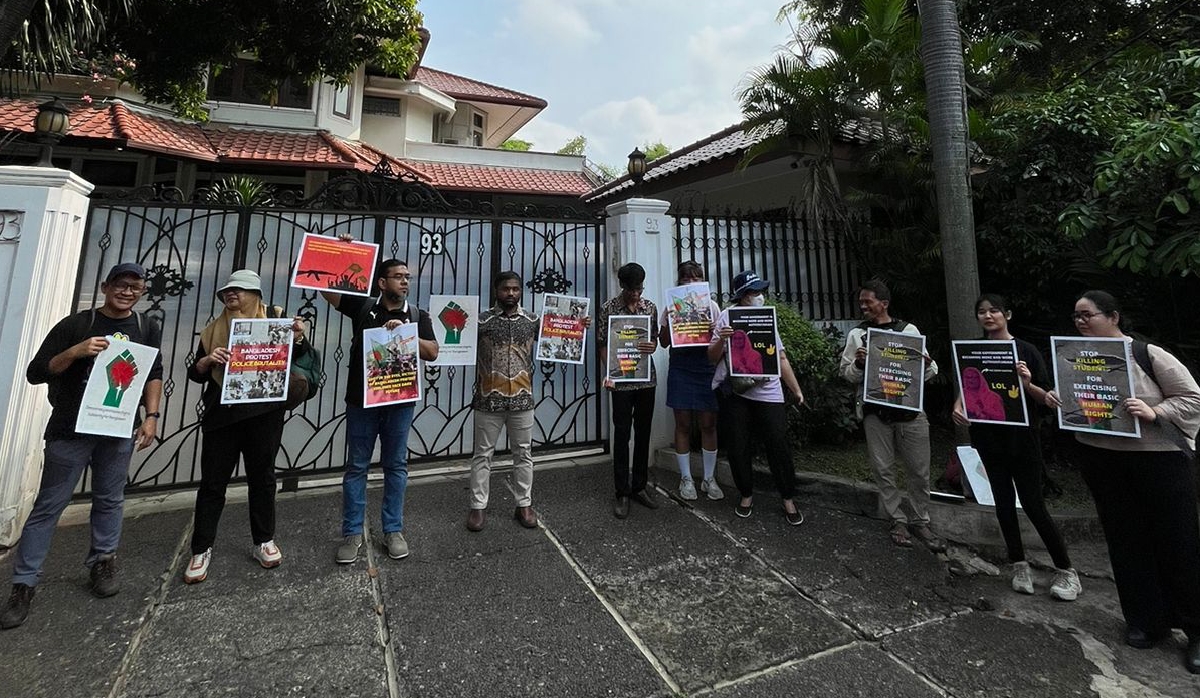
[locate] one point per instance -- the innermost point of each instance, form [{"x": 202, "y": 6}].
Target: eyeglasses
[
  {"x": 125, "y": 287},
  {"x": 399, "y": 277},
  {"x": 1084, "y": 317}
]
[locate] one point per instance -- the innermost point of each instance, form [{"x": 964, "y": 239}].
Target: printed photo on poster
[
  {"x": 988, "y": 382},
  {"x": 260, "y": 360},
  {"x": 561, "y": 334},
  {"x": 895, "y": 370},
  {"x": 456, "y": 327},
  {"x": 627, "y": 363},
  {"x": 689, "y": 314},
  {"x": 330, "y": 264},
  {"x": 753, "y": 346},
  {"x": 114, "y": 389},
  {"x": 1092, "y": 380},
  {"x": 391, "y": 365}
]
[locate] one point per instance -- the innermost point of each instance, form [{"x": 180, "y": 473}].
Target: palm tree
[{"x": 45, "y": 37}]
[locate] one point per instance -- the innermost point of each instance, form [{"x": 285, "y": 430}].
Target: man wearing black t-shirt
[
  {"x": 64, "y": 361},
  {"x": 389, "y": 424}
]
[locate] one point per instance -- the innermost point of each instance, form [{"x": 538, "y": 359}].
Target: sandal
[{"x": 901, "y": 536}]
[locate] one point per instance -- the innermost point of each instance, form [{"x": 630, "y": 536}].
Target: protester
[
  {"x": 1145, "y": 488},
  {"x": 759, "y": 410},
  {"x": 389, "y": 424},
  {"x": 64, "y": 361},
  {"x": 250, "y": 431},
  {"x": 1012, "y": 457},
  {"x": 893, "y": 431},
  {"x": 632, "y": 402}
]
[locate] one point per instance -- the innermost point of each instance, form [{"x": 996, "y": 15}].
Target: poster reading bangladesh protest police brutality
[
  {"x": 456, "y": 328},
  {"x": 895, "y": 370},
  {"x": 391, "y": 365},
  {"x": 988, "y": 383},
  {"x": 260, "y": 358},
  {"x": 689, "y": 315},
  {"x": 114, "y": 389},
  {"x": 627, "y": 363},
  {"x": 1092, "y": 380},
  {"x": 561, "y": 334},
  {"x": 754, "y": 345}
]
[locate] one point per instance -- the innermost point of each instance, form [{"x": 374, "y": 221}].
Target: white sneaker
[
  {"x": 268, "y": 554},
  {"x": 197, "y": 569},
  {"x": 1022, "y": 580},
  {"x": 1066, "y": 585},
  {"x": 711, "y": 488},
  {"x": 687, "y": 489}
]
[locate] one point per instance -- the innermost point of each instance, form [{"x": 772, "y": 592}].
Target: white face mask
[{"x": 758, "y": 300}]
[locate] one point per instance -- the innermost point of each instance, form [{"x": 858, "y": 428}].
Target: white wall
[{"x": 384, "y": 132}]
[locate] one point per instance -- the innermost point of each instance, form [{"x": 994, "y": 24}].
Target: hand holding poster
[
  {"x": 989, "y": 386},
  {"x": 895, "y": 370},
  {"x": 114, "y": 389},
  {"x": 1092, "y": 380},
  {"x": 753, "y": 346},
  {"x": 689, "y": 314},
  {"x": 562, "y": 333},
  {"x": 626, "y": 362},
  {"x": 260, "y": 360},
  {"x": 456, "y": 325},
  {"x": 391, "y": 365},
  {"x": 330, "y": 264}
]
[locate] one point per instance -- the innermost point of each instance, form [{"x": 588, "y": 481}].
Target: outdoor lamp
[
  {"x": 637, "y": 165},
  {"x": 51, "y": 124}
]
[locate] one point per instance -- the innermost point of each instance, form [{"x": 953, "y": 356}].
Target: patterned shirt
[
  {"x": 616, "y": 306},
  {"x": 504, "y": 360}
]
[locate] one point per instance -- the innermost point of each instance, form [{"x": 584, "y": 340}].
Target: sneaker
[
  {"x": 744, "y": 510},
  {"x": 794, "y": 518},
  {"x": 1022, "y": 581},
  {"x": 17, "y": 608},
  {"x": 1066, "y": 585},
  {"x": 397, "y": 547},
  {"x": 711, "y": 488},
  {"x": 103, "y": 576},
  {"x": 925, "y": 534},
  {"x": 268, "y": 554},
  {"x": 687, "y": 489},
  {"x": 197, "y": 569},
  {"x": 347, "y": 552}
]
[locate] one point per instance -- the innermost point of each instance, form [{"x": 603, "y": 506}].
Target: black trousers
[
  {"x": 748, "y": 422},
  {"x": 631, "y": 410},
  {"x": 1147, "y": 506},
  {"x": 1012, "y": 457},
  {"x": 256, "y": 441}
]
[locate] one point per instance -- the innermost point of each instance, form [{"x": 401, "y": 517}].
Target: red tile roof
[
  {"x": 446, "y": 175},
  {"x": 473, "y": 90}
]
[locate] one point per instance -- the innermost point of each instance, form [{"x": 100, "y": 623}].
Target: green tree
[
  {"x": 575, "y": 146},
  {"x": 656, "y": 150},
  {"x": 45, "y": 37},
  {"x": 516, "y": 144}
]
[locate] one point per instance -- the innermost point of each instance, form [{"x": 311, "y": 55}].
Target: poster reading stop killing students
[
  {"x": 689, "y": 314},
  {"x": 114, "y": 389},
  {"x": 626, "y": 362},
  {"x": 988, "y": 383},
  {"x": 753, "y": 347},
  {"x": 1092, "y": 380},
  {"x": 338, "y": 266},
  {"x": 391, "y": 365},
  {"x": 456, "y": 327},
  {"x": 260, "y": 359},
  {"x": 561, "y": 333},
  {"x": 895, "y": 370}
]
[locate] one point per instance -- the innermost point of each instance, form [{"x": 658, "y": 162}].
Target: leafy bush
[{"x": 827, "y": 415}]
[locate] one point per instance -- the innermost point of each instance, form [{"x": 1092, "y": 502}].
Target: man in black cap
[{"x": 64, "y": 361}]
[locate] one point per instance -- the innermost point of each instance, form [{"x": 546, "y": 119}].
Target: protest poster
[
  {"x": 561, "y": 333},
  {"x": 988, "y": 383},
  {"x": 895, "y": 370},
  {"x": 689, "y": 314},
  {"x": 391, "y": 365},
  {"x": 753, "y": 346},
  {"x": 456, "y": 327},
  {"x": 330, "y": 264},
  {"x": 260, "y": 359},
  {"x": 1092, "y": 380},
  {"x": 978, "y": 482},
  {"x": 627, "y": 363},
  {"x": 114, "y": 389}
]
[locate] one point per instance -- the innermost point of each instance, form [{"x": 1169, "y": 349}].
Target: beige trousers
[
  {"x": 909, "y": 441},
  {"x": 520, "y": 442}
]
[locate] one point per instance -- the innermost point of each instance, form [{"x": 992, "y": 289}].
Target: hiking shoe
[
  {"x": 17, "y": 608},
  {"x": 711, "y": 488},
  {"x": 268, "y": 554},
  {"x": 197, "y": 569},
  {"x": 103, "y": 576},
  {"x": 347, "y": 552},
  {"x": 1022, "y": 581},
  {"x": 397, "y": 547},
  {"x": 925, "y": 534},
  {"x": 1066, "y": 585},
  {"x": 687, "y": 489}
]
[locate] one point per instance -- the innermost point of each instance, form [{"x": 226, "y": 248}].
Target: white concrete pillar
[{"x": 43, "y": 211}]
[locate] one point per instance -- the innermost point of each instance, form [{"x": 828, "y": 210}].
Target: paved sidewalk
[{"x": 684, "y": 600}]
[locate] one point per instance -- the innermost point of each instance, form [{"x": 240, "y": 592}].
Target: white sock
[
  {"x": 684, "y": 461},
  {"x": 710, "y": 463}
]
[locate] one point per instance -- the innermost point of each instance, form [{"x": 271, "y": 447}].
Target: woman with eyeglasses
[
  {"x": 1145, "y": 490},
  {"x": 1012, "y": 457}
]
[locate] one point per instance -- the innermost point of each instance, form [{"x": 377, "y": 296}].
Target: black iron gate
[{"x": 189, "y": 248}]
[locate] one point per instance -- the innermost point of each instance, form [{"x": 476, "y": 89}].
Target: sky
[{"x": 622, "y": 73}]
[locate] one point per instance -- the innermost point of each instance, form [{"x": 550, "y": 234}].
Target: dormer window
[{"x": 244, "y": 83}]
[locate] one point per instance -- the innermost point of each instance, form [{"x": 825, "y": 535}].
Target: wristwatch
[{"x": 156, "y": 415}]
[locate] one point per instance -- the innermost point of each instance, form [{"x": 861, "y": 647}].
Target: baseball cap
[
  {"x": 125, "y": 269},
  {"x": 748, "y": 281}
]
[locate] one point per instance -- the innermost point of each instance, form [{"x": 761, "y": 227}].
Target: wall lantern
[
  {"x": 49, "y": 126},
  {"x": 637, "y": 165}
]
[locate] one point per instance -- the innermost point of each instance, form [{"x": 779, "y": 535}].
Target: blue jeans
[
  {"x": 390, "y": 425},
  {"x": 65, "y": 462}
]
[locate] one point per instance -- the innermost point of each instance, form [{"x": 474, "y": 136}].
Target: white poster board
[{"x": 114, "y": 389}]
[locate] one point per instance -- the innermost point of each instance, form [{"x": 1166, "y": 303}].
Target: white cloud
[{"x": 552, "y": 20}]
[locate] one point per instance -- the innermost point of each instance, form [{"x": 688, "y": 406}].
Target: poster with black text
[
  {"x": 754, "y": 345},
  {"x": 1092, "y": 380},
  {"x": 988, "y": 383},
  {"x": 895, "y": 370}
]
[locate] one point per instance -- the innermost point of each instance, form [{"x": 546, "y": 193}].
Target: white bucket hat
[{"x": 243, "y": 279}]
